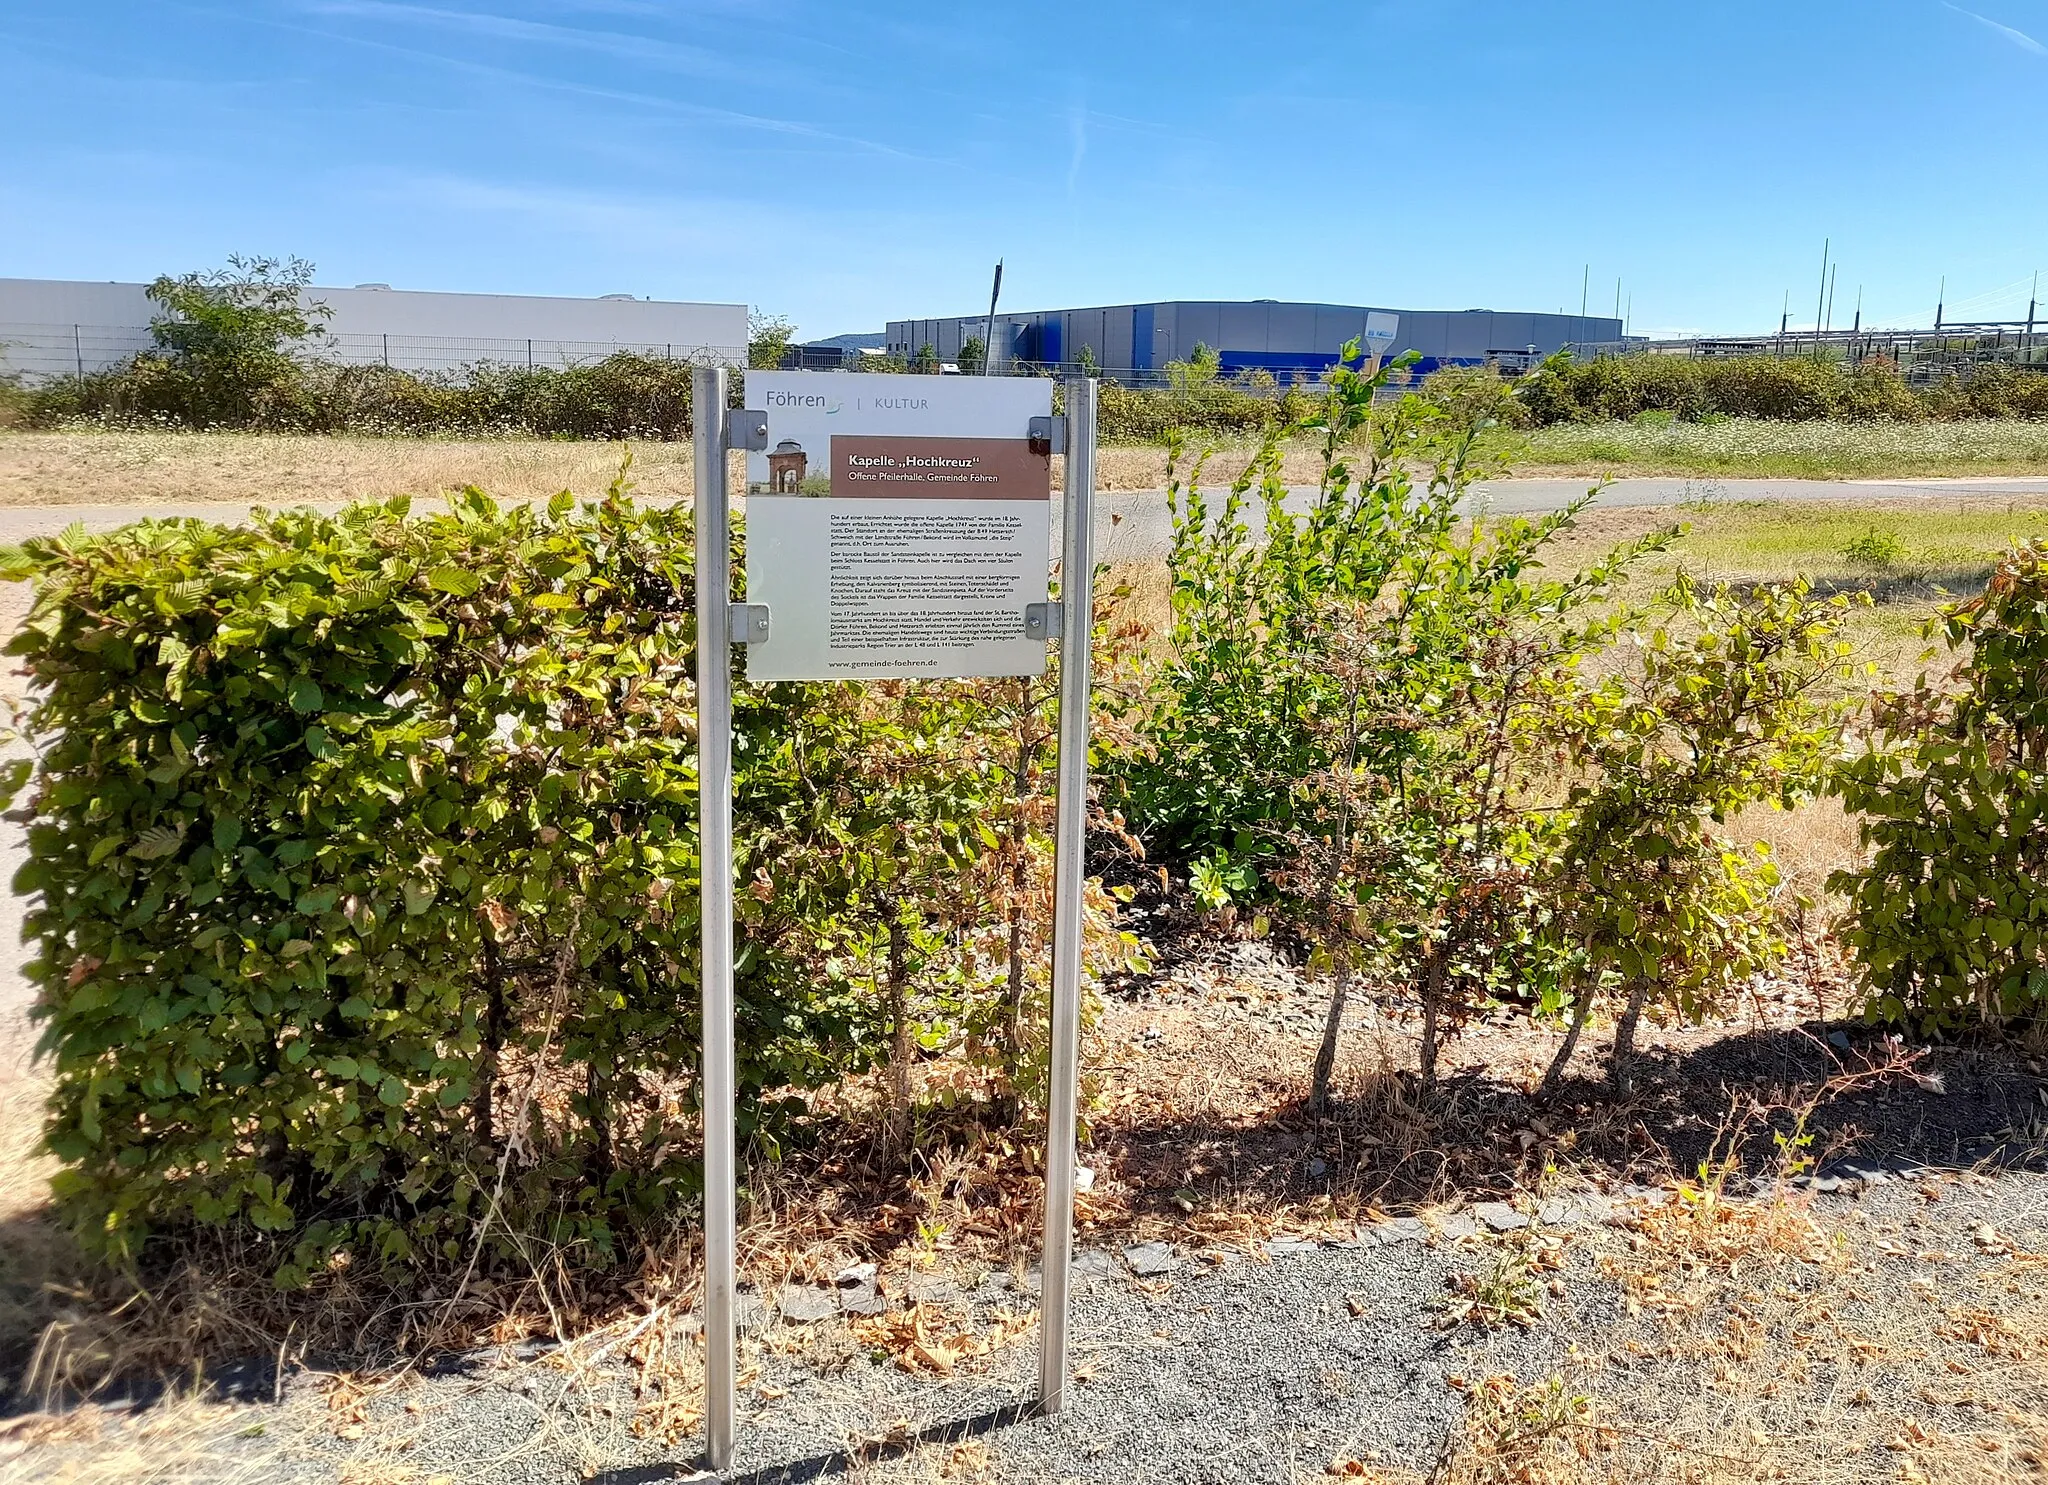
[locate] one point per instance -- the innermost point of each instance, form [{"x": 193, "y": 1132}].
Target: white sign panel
[
  {"x": 897, "y": 525},
  {"x": 1380, "y": 330}
]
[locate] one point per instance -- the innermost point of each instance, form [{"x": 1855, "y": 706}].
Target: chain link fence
[
  {"x": 42, "y": 352},
  {"x": 1922, "y": 356}
]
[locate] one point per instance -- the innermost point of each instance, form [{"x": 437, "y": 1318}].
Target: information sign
[
  {"x": 1380, "y": 330},
  {"x": 897, "y": 525}
]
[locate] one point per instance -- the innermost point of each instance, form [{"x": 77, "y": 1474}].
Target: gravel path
[{"x": 1262, "y": 1367}]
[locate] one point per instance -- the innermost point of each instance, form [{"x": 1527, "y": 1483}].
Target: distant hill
[{"x": 872, "y": 340}]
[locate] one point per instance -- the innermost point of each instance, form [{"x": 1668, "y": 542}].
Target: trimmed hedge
[{"x": 351, "y": 830}]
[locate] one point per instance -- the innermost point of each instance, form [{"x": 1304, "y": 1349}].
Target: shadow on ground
[
  {"x": 1483, "y": 1136},
  {"x": 838, "y": 1462}
]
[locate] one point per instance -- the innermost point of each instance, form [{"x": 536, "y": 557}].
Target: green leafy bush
[
  {"x": 1721, "y": 704},
  {"x": 1949, "y": 922},
  {"x": 1230, "y": 408},
  {"x": 1995, "y": 391},
  {"x": 1219, "y": 882},
  {"x": 364, "y": 859},
  {"x": 1791, "y": 387},
  {"x": 1475, "y": 395},
  {"x": 16, "y": 404},
  {"x": 625, "y": 395},
  {"x": 768, "y": 340},
  {"x": 1347, "y": 696},
  {"x": 227, "y": 342},
  {"x": 1387, "y": 704},
  {"x": 1239, "y": 701}
]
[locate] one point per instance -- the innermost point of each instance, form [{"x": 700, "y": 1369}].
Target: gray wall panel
[
  {"x": 1243, "y": 327},
  {"x": 1115, "y": 349},
  {"x": 1334, "y": 325},
  {"x": 1292, "y": 327}
]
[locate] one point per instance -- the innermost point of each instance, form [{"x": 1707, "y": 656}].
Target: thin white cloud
[
  {"x": 620, "y": 44},
  {"x": 2018, "y": 38},
  {"x": 671, "y": 221},
  {"x": 703, "y": 112}
]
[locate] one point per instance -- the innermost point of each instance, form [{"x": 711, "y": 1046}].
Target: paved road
[{"x": 1138, "y": 526}]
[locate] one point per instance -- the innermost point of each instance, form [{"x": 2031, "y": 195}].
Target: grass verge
[{"x": 1757, "y": 448}]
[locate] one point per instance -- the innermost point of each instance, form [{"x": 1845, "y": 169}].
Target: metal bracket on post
[
  {"x": 748, "y": 623},
  {"x": 1045, "y": 620},
  {"x": 1047, "y": 435},
  {"x": 746, "y": 429}
]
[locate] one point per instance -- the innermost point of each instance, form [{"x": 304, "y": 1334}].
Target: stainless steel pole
[
  {"x": 1070, "y": 870},
  {"x": 714, "y": 853}
]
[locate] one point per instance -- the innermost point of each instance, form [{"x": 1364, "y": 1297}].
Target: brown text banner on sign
[{"x": 900, "y": 468}]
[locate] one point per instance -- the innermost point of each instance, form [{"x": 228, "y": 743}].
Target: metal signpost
[
  {"x": 898, "y": 526},
  {"x": 714, "y": 855},
  {"x": 1070, "y": 869}
]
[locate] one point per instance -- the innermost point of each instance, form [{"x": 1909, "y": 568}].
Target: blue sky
[{"x": 845, "y": 163}]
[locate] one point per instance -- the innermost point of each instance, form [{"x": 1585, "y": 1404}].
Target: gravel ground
[{"x": 1261, "y": 1367}]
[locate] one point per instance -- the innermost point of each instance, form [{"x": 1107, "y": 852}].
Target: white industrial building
[{"x": 61, "y": 327}]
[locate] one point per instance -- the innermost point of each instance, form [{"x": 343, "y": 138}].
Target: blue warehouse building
[{"x": 1137, "y": 340}]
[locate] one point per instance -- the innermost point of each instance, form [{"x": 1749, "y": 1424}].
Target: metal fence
[
  {"x": 1922, "y": 356},
  {"x": 43, "y": 352}
]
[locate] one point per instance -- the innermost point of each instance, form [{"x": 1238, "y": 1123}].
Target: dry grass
[
  {"x": 179, "y": 1440},
  {"x": 1139, "y": 468},
  {"x": 1809, "y": 1360},
  {"x": 1763, "y": 1343},
  {"x": 283, "y": 469}
]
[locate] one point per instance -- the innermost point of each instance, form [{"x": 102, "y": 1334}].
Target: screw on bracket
[
  {"x": 1047, "y": 435},
  {"x": 746, "y": 429}
]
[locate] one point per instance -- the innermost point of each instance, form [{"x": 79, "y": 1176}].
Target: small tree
[
  {"x": 973, "y": 356},
  {"x": 926, "y": 361},
  {"x": 1426, "y": 835},
  {"x": 232, "y": 334},
  {"x": 1346, "y": 697},
  {"x": 768, "y": 338},
  {"x": 254, "y": 308},
  {"x": 1727, "y": 706}
]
